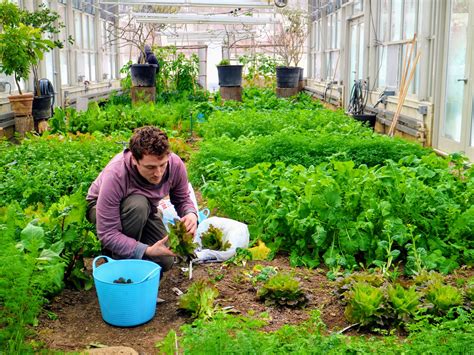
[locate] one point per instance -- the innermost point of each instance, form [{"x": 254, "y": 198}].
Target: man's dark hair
[{"x": 149, "y": 140}]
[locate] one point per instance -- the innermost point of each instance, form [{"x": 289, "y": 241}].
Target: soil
[{"x": 78, "y": 325}]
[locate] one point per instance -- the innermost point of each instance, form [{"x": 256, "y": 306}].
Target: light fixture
[{"x": 281, "y": 3}]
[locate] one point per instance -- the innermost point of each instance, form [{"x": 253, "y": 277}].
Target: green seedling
[
  {"x": 199, "y": 300},
  {"x": 443, "y": 297}
]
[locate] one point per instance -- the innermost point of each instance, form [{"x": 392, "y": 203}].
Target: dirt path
[{"x": 79, "y": 324}]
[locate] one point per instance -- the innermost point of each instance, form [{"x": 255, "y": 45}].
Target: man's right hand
[{"x": 159, "y": 249}]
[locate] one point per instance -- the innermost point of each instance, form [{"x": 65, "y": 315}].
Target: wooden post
[
  {"x": 141, "y": 94},
  {"x": 287, "y": 92},
  {"x": 24, "y": 124},
  {"x": 231, "y": 93}
]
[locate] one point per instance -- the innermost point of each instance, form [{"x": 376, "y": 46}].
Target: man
[{"x": 123, "y": 200}]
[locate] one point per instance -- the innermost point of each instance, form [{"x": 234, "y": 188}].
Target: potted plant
[
  {"x": 48, "y": 22},
  {"x": 139, "y": 36},
  {"x": 229, "y": 75},
  {"x": 22, "y": 47},
  {"x": 289, "y": 44}
]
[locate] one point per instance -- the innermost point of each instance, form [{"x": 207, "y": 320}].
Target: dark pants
[{"x": 139, "y": 223}]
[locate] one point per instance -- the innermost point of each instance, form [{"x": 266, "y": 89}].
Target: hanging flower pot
[{"x": 42, "y": 107}]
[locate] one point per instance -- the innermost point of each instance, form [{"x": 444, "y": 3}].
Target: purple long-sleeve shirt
[{"x": 120, "y": 179}]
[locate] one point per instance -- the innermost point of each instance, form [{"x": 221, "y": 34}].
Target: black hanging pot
[
  {"x": 230, "y": 75},
  {"x": 287, "y": 77},
  {"x": 42, "y": 107},
  {"x": 143, "y": 74}
]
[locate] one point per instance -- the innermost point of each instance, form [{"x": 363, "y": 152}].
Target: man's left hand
[{"x": 190, "y": 221}]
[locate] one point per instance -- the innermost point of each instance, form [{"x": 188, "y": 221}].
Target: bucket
[
  {"x": 126, "y": 304},
  {"x": 203, "y": 214}
]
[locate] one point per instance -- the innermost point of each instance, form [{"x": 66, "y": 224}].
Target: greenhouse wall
[{"x": 369, "y": 40}]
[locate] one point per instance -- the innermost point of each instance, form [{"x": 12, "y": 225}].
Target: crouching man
[{"x": 123, "y": 199}]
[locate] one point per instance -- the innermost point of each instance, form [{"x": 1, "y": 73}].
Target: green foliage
[
  {"x": 282, "y": 289},
  {"x": 199, "y": 300},
  {"x": 42, "y": 169},
  {"x": 224, "y": 62},
  {"x": 345, "y": 214},
  {"x": 228, "y": 334},
  {"x": 212, "y": 239},
  {"x": 405, "y": 302},
  {"x": 443, "y": 297},
  {"x": 364, "y": 304},
  {"x": 174, "y": 118},
  {"x": 259, "y": 69},
  {"x": 181, "y": 242},
  {"x": 178, "y": 73}
]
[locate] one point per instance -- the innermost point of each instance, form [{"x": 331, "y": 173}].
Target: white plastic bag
[
  {"x": 235, "y": 232},
  {"x": 169, "y": 212}
]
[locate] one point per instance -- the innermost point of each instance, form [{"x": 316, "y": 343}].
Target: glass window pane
[
  {"x": 361, "y": 51},
  {"x": 91, "y": 33},
  {"x": 93, "y": 76},
  {"x": 384, "y": 20},
  {"x": 85, "y": 32},
  {"x": 62, "y": 13},
  {"x": 396, "y": 20},
  {"x": 353, "y": 75},
  {"x": 77, "y": 29},
  {"x": 409, "y": 18},
  {"x": 458, "y": 27},
  {"x": 64, "y": 68},
  {"x": 393, "y": 66},
  {"x": 382, "y": 51},
  {"x": 329, "y": 32},
  {"x": 48, "y": 59},
  {"x": 338, "y": 30}
]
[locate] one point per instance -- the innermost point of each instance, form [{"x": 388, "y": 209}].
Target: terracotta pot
[{"x": 21, "y": 104}]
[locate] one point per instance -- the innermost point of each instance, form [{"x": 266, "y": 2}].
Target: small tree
[
  {"x": 290, "y": 37},
  {"x": 24, "y": 38},
  {"x": 137, "y": 35}
]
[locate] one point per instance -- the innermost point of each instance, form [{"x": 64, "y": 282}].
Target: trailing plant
[
  {"x": 199, "y": 300},
  {"x": 180, "y": 241},
  {"x": 282, "y": 289},
  {"x": 212, "y": 239}
]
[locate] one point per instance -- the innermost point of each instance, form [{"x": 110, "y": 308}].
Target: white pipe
[
  {"x": 192, "y": 18},
  {"x": 194, "y": 3}
]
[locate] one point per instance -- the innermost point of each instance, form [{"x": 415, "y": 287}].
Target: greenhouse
[{"x": 236, "y": 177}]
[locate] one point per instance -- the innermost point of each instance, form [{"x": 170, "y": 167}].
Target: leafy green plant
[
  {"x": 199, "y": 300},
  {"x": 181, "y": 242},
  {"x": 365, "y": 304},
  {"x": 212, "y": 239},
  {"x": 224, "y": 62},
  {"x": 405, "y": 302},
  {"x": 282, "y": 289},
  {"x": 443, "y": 297}
]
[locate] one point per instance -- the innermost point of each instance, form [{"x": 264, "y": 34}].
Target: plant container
[
  {"x": 366, "y": 118},
  {"x": 287, "y": 77},
  {"x": 42, "y": 107},
  {"x": 230, "y": 75},
  {"x": 126, "y": 304},
  {"x": 143, "y": 75},
  {"x": 21, "y": 104}
]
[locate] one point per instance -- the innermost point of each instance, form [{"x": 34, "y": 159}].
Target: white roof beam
[
  {"x": 195, "y": 3},
  {"x": 192, "y": 18}
]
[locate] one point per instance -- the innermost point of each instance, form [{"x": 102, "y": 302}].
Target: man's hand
[
  {"x": 190, "y": 221},
  {"x": 159, "y": 249}
]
